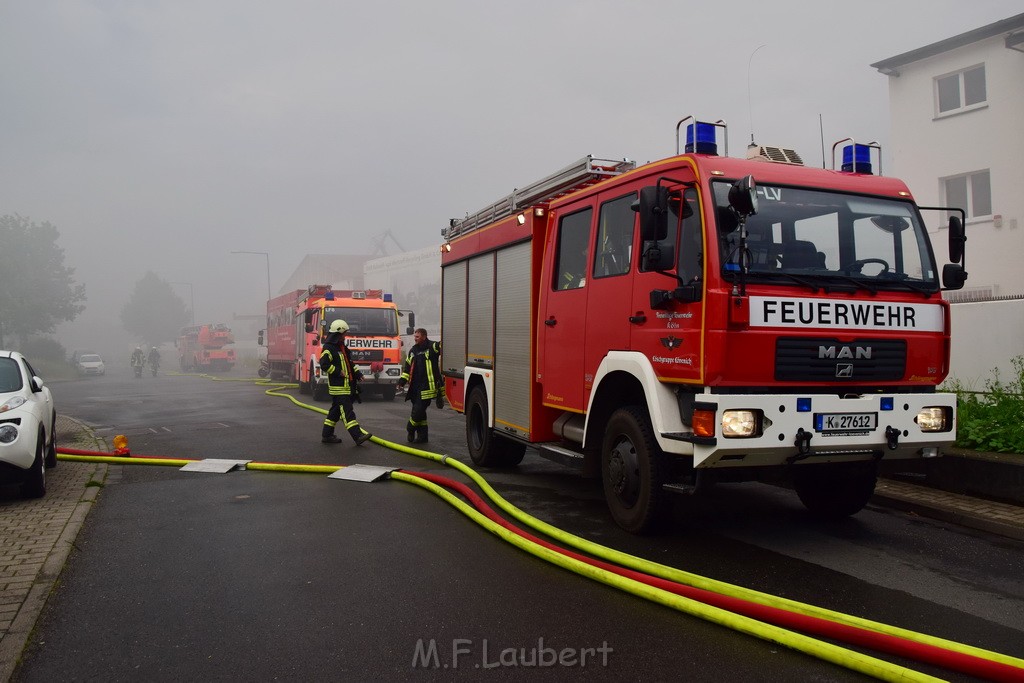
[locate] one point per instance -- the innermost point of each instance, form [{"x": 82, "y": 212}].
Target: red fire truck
[
  {"x": 700, "y": 319},
  {"x": 296, "y": 322},
  {"x": 206, "y": 348}
]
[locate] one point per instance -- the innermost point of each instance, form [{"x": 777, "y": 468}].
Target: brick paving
[{"x": 36, "y": 536}]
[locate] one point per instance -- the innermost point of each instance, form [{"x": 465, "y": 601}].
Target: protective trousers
[
  {"x": 342, "y": 411},
  {"x": 417, "y": 427}
]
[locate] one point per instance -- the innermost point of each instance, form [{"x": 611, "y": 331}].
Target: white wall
[{"x": 985, "y": 335}]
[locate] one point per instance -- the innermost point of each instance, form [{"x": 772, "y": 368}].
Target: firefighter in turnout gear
[
  {"x": 342, "y": 384},
  {"x": 422, "y": 373}
]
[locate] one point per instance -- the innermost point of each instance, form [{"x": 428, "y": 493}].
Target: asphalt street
[{"x": 291, "y": 576}]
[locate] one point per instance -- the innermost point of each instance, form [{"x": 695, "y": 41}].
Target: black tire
[
  {"x": 321, "y": 392},
  {"x": 51, "y": 450},
  {"x": 834, "y": 491},
  {"x": 263, "y": 372},
  {"x": 633, "y": 471},
  {"x": 387, "y": 392},
  {"x": 34, "y": 485},
  {"x": 486, "y": 448},
  {"x": 307, "y": 387}
]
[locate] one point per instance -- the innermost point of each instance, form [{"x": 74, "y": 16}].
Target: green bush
[
  {"x": 992, "y": 420},
  {"x": 44, "y": 349}
]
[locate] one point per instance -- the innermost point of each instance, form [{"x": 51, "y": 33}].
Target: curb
[{"x": 951, "y": 507}]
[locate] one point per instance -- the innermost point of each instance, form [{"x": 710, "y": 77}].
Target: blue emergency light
[
  {"x": 886, "y": 403},
  {"x": 857, "y": 159},
  {"x": 803, "y": 405},
  {"x": 706, "y": 141},
  {"x": 387, "y": 297}
]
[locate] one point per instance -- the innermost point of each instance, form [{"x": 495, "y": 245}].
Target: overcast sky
[{"x": 163, "y": 134}]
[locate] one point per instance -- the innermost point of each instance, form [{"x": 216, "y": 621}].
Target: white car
[
  {"x": 90, "y": 364},
  {"x": 27, "y": 423}
]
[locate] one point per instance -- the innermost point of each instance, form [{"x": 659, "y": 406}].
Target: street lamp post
[
  {"x": 192, "y": 299},
  {"x": 268, "y": 267}
]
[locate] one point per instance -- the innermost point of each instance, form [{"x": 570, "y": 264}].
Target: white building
[
  {"x": 958, "y": 140},
  {"x": 414, "y": 277}
]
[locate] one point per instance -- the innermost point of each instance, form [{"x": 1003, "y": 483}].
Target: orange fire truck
[
  {"x": 700, "y": 319},
  {"x": 205, "y": 348},
  {"x": 297, "y": 321}
]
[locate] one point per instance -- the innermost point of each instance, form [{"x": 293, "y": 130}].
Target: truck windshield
[
  {"x": 821, "y": 235},
  {"x": 364, "y": 321}
]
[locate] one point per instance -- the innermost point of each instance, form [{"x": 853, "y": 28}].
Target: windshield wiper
[{"x": 812, "y": 282}]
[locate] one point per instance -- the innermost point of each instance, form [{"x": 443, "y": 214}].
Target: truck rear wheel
[
  {"x": 486, "y": 448},
  {"x": 837, "y": 490},
  {"x": 320, "y": 391},
  {"x": 633, "y": 471}
]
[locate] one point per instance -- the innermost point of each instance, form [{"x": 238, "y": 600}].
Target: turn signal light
[{"x": 704, "y": 423}]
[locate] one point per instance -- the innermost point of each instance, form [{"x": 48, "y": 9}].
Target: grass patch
[{"x": 993, "y": 419}]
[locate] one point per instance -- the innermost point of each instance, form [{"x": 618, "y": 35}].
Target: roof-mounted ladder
[{"x": 586, "y": 171}]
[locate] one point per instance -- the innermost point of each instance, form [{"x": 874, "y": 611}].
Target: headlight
[
  {"x": 12, "y": 403},
  {"x": 741, "y": 423},
  {"x": 8, "y": 433},
  {"x": 394, "y": 372},
  {"x": 934, "y": 419}
]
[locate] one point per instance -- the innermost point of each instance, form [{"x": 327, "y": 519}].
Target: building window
[
  {"x": 971, "y": 192},
  {"x": 961, "y": 91}
]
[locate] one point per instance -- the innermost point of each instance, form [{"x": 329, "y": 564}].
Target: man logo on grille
[{"x": 844, "y": 370}]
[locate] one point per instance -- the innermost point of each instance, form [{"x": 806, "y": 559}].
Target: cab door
[
  {"x": 672, "y": 334},
  {"x": 610, "y": 312},
  {"x": 563, "y": 312}
]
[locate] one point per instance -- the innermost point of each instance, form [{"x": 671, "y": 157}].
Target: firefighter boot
[
  {"x": 328, "y": 436},
  {"x": 411, "y": 432},
  {"x": 421, "y": 434},
  {"x": 359, "y": 436}
]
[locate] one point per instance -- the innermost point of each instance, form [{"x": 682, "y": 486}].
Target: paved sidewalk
[
  {"x": 36, "y": 537},
  {"x": 975, "y": 513}
]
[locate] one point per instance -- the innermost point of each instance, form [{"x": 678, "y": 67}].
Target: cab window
[
  {"x": 614, "y": 248},
  {"x": 573, "y": 239}
]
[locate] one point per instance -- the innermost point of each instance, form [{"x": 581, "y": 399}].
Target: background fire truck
[
  {"x": 703, "y": 319},
  {"x": 296, "y": 321},
  {"x": 206, "y": 348}
]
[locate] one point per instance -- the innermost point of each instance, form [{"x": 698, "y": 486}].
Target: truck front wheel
[
  {"x": 486, "y": 448},
  {"x": 633, "y": 471},
  {"x": 836, "y": 490}
]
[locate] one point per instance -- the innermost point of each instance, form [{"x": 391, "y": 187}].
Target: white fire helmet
[{"x": 339, "y": 326}]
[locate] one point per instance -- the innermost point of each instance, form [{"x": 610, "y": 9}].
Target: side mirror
[
  {"x": 653, "y": 210},
  {"x": 37, "y": 383},
  {"x": 957, "y": 238},
  {"x": 259, "y": 338},
  {"x": 743, "y": 196},
  {"x": 412, "y": 322},
  {"x": 953, "y": 276}
]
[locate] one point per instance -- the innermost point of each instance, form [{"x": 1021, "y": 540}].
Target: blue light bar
[
  {"x": 858, "y": 161},
  {"x": 706, "y": 142},
  {"x": 886, "y": 403},
  {"x": 803, "y": 405},
  {"x": 387, "y": 297}
]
